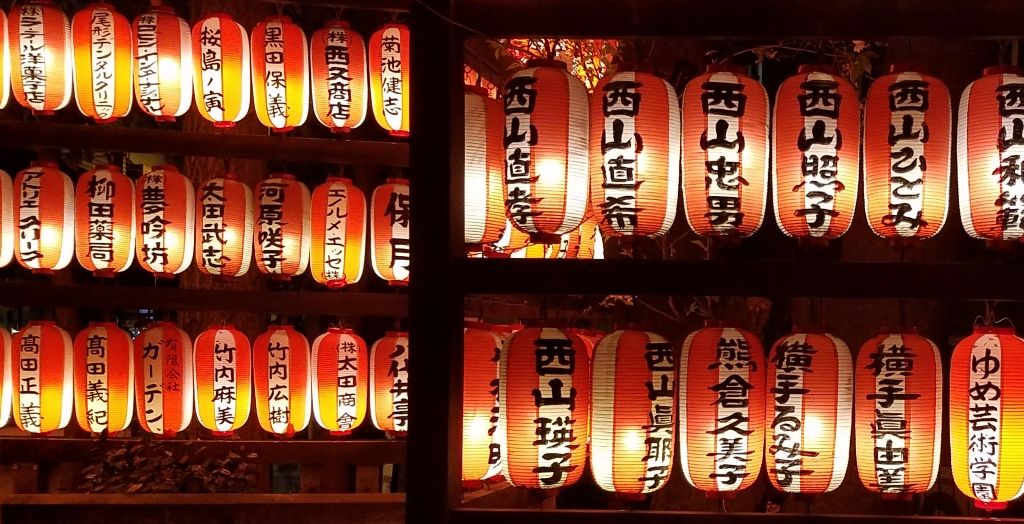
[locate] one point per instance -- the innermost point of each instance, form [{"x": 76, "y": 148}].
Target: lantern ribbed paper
[
  {"x": 5, "y": 61},
  {"x": 44, "y": 214},
  {"x": 280, "y": 365},
  {"x": 42, "y": 377},
  {"x": 282, "y": 231},
  {"x": 6, "y": 387},
  {"x": 166, "y": 221},
  {"x": 481, "y": 434},
  {"x": 104, "y": 378},
  {"x": 280, "y": 73},
  {"x": 41, "y": 56},
  {"x": 389, "y": 383},
  {"x": 337, "y": 57},
  {"x": 224, "y": 227},
  {"x": 104, "y": 221},
  {"x": 163, "y": 64},
  {"x": 389, "y": 65},
  {"x": 341, "y": 380},
  {"x": 102, "y": 40},
  {"x": 220, "y": 57},
  {"x": 389, "y": 231},
  {"x": 223, "y": 368},
  {"x": 337, "y": 250},
  {"x": 164, "y": 382},
  {"x": 484, "y": 168}
]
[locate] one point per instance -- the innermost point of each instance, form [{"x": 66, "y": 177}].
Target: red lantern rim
[
  {"x": 725, "y": 68},
  {"x": 994, "y": 330},
  {"x": 43, "y": 163},
  {"x": 165, "y": 167},
  {"x": 397, "y": 180},
  {"x": 283, "y": 176},
  {"x": 41, "y": 323},
  {"x": 482, "y": 326},
  {"x": 217, "y": 14},
  {"x": 908, "y": 67},
  {"x": 104, "y": 324},
  {"x": 282, "y": 327},
  {"x": 340, "y": 330},
  {"x": 278, "y": 18},
  {"x": 333, "y": 179},
  {"x": 816, "y": 68},
  {"x": 334, "y": 22}
]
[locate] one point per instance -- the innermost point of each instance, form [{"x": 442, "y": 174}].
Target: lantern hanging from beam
[
  {"x": 280, "y": 362},
  {"x": 220, "y": 57},
  {"x": 5, "y": 64},
  {"x": 105, "y": 221},
  {"x": 282, "y": 227},
  {"x": 166, "y": 221},
  {"x": 164, "y": 381},
  {"x": 280, "y": 73},
  {"x": 481, "y": 434},
  {"x": 102, "y": 40},
  {"x": 223, "y": 368},
  {"x": 224, "y": 227},
  {"x": 43, "y": 376},
  {"x": 341, "y": 380},
  {"x": 163, "y": 63},
  {"x": 337, "y": 57},
  {"x": 338, "y": 218},
  {"x": 389, "y": 231},
  {"x": 5, "y": 377},
  {"x": 389, "y": 383},
  {"x": 41, "y": 57},
  {"x": 390, "y": 87},
  {"x": 815, "y": 154},
  {"x": 7, "y": 224},
  {"x": 484, "y": 168},
  {"x": 104, "y": 378},
  {"x": 45, "y": 217}
]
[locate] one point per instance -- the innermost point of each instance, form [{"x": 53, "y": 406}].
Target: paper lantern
[
  {"x": 163, "y": 63},
  {"x": 389, "y": 231},
  {"x": 220, "y": 56},
  {"x": 810, "y": 377},
  {"x": 546, "y": 126},
  {"x": 41, "y": 57},
  {"x": 105, "y": 221},
  {"x": 722, "y": 399},
  {"x": 338, "y": 219},
  {"x": 42, "y": 377},
  {"x": 484, "y": 168},
  {"x": 223, "y": 368},
  {"x": 337, "y": 57},
  {"x": 44, "y": 213},
  {"x": 166, "y": 221},
  {"x": 985, "y": 421},
  {"x": 389, "y": 383},
  {"x": 899, "y": 413},
  {"x": 280, "y": 73},
  {"x": 7, "y": 238},
  {"x": 5, "y": 68},
  {"x": 164, "y": 381},
  {"x": 481, "y": 434},
  {"x": 544, "y": 404},
  {"x": 5, "y": 377},
  {"x": 341, "y": 380},
  {"x": 282, "y": 232},
  {"x": 104, "y": 378},
  {"x": 224, "y": 227},
  {"x": 512, "y": 240},
  {"x": 389, "y": 66},
  {"x": 102, "y": 40},
  {"x": 815, "y": 154},
  {"x": 280, "y": 360}
]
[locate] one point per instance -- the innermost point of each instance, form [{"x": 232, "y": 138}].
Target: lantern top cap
[
  {"x": 336, "y": 24},
  {"x": 284, "y": 176},
  {"x": 994, "y": 330},
  {"x": 397, "y": 180},
  {"x": 477, "y": 90},
  {"x": 43, "y": 163},
  {"x": 469, "y": 324},
  {"x": 222, "y": 327},
  {"x": 1002, "y": 70},
  {"x": 897, "y": 330},
  {"x": 816, "y": 68},
  {"x": 104, "y": 323},
  {"x": 726, "y": 68},
  {"x": 164, "y": 167},
  {"x": 810, "y": 329},
  {"x": 337, "y": 178},
  {"x": 547, "y": 62},
  {"x": 229, "y": 176},
  {"x": 280, "y": 327},
  {"x": 278, "y": 18},
  {"x": 396, "y": 334},
  {"x": 908, "y": 67},
  {"x": 217, "y": 14},
  {"x": 340, "y": 330}
]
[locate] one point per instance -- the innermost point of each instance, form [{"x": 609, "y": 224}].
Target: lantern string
[{"x": 449, "y": 20}]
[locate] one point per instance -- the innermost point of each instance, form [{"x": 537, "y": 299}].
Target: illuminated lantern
[
  {"x": 337, "y": 57},
  {"x": 899, "y": 413},
  {"x": 280, "y": 73},
  {"x": 220, "y": 56},
  {"x": 512, "y": 240},
  {"x": 5, "y": 83},
  {"x": 105, "y": 224},
  {"x": 546, "y": 126},
  {"x": 481, "y": 435},
  {"x": 280, "y": 361},
  {"x": 103, "y": 62},
  {"x": 104, "y": 378},
  {"x": 7, "y": 239},
  {"x": 338, "y": 218},
  {"x": 41, "y": 57},
  {"x": 810, "y": 380},
  {"x": 389, "y": 231},
  {"x": 389, "y": 78},
  {"x": 166, "y": 217},
  {"x": 544, "y": 375},
  {"x": 224, "y": 227},
  {"x": 389, "y": 383},
  {"x": 164, "y": 379},
  {"x": 163, "y": 63},
  {"x": 223, "y": 368},
  {"x": 341, "y": 380},
  {"x": 45, "y": 218},
  {"x": 815, "y": 154},
  {"x": 43, "y": 373},
  {"x": 484, "y": 168},
  {"x": 282, "y": 231},
  {"x": 5, "y": 377},
  {"x": 725, "y": 153},
  {"x": 590, "y": 338},
  {"x": 985, "y": 416}
]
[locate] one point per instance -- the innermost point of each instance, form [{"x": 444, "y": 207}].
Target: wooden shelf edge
[
  {"x": 200, "y": 499},
  {"x": 518, "y": 516}
]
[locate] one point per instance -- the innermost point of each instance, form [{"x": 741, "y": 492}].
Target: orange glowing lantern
[
  {"x": 815, "y": 154},
  {"x": 5, "y": 70},
  {"x": 511, "y": 241},
  {"x": 43, "y": 376},
  {"x": 389, "y": 231},
  {"x": 484, "y": 168},
  {"x": 280, "y": 73},
  {"x": 45, "y": 218},
  {"x": 166, "y": 218},
  {"x": 223, "y": 368},
  {"x": 282, "y": 231},
  {"x": 337, "y": 56},
  {"x": 102, "y": 40},
  {"x": 7, "y": 238},
  {"x": 337, "y": 252},
  {"x": 105, "y": 223},
  {"x": 220, "y": 57},
  {"x": 104, "y": 378},
  {"x": 5, "y": 377},
  {"x": 280, "y": 362},
  {"x": 41, "y": 57},
  {"x": 224, "y": 227},
  {"x": 389, "y": 66},
  {"x": 389, "y": 383},
  {"x": 163, "y": 63},
  {"x": 341, "y": 380},
  {"x": 164, "y": 380},
  {"x": 810, "y": 377},
  {"x": 481, "y": 434}
]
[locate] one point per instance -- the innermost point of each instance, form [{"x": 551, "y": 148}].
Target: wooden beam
[
  {"x": 363, "y": 5},
  {"x": 199, "y": 499},
  {"x": 513, "y": 516}
]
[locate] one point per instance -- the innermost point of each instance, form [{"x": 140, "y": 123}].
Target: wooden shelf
[
  {"x": 516, "y": 516},
  {"x": 200, "y": 499}
]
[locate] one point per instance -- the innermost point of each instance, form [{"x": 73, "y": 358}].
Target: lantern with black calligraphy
[
  {"x": 102, "y": 40},
  {"x": 5, "y": 71},
  {"x": 44, "y": 214},
  {"x": 389, "y": 66},
  {"x": 7, "y": 225},
  {"x": 224, "y": 227},
  {"x": 481, "y": 434},
  {"x": 338, "y": 218},
  {"x": 105, "y": 221},
  {"x": 164, "y": 380},
  {"x": 282, "y": 231},
  {"x": 5, "y": 377},
  {"x": 280, "y": 360},
  {"x": 163, "y": 63},
  {"x": 341, "y": 380},
  {"x": 389, "y": 231},
  {"x": 220, "y": 57},
  {"x": 544, "y": 408},
  {"x": 280, "y": 73},
  {"x": 41, "y": 56},
  {"x": 986, "y": 416},
  {"x": 815, "y": 154},
  {"x": 104, "y": 378},
  {"x": 223, "y": 369},
  {"x": 166, "y": 217},
  {"x": 337, "y": 57},
  {"x": 43, "y": 373},
  {"x": 484, "y": 169},
  {"x": 907, "y": 140},
  {"x": 546, "y": 126},
  {"x": 389, "y": 383},
  {"x": 810, "y": 397},
  {"x": 899, "y": 413}
]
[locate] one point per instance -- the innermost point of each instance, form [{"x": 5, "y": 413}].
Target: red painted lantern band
[
  {"x": 105, "y": 223},
  {"x": 282, "y": 227},
  {"x": 389, "y": 65},
  {"x": 44, "y": 374},
  {"x": 7, "y": 224},
  {"x": 481, "y": 434},
  {"x": 224, "y": 227},
  {"x": 223, "y": 368},
  {"x": 484, "y": 168},
  {"x": 45, "y": 217},
  {"x": 389, "y": 380},
  {"x": 220, "y": 56},
  {"x": 337, "y": 56},
  {"x": 281, "y": 377},
  {"x": 341, "y": 380},
  {"x": 164, "y": 385},
  {"x": 6, "y": 386},
  {"x": 166, "y": 219},
  {"x": 41, "y": 76},
  {"x": 163, "y": 63},
  {"x": 280, "y": 73},
  {"x": 338, "y": 222},
  {"x": 5, "y": 59},
  {"x": 104, "y": 378},
  {"x": 103, "y": 62},
  {"x": 389, "y": 231}
]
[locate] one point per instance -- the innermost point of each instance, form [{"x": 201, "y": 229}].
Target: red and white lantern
[
  {"x": 104, "y": 378},
  {"x": 41, "y": 56},
  {"x": 7, "y": 225},
  {"x": 166, "y": 217},
  {"x": 105, "y": 221},
  {"x": 484, "y": 168},
  {"x": 341, "y": 380},
  {"x": 103, "y": 62},
  {"x": 224, "y": 227},
  {"x": 5, "y": 62},
  {"x": 280, "y": 73},
  {"x": 163, "y": 63},
  {"x": 5, "y": 377},
  {"x": 389, "y": 231},
  {"x": 282, "y": 227},
  {"x": 44, "y": 213},
  {"x": 280, "y": 360},
  {"x": 337, "y": 57},
  {"x": 390, "y": 88},
  {"x": 222, "y": 80},
  {"x": 389, "y": 382},
  {"x": 164, "y": 382},
  {"x": 43, "y": 375},
  {"x": 482, "y": 436},
  {"x": 223, "y": 368},
  {"x": 338, "y": 219}
]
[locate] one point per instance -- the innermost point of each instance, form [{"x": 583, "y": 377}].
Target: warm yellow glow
[
  {"x": 633, "y": 441},
  {"x": 229, "y": 235},
  {"x": 171, "y": 240},
  {"x": 549, "y": 171},
  {"x": 50, "y": 239},
  {"x": 814, "y": 429},
  {"x": 478, "y": 428},
  {"x": 169, "y": 71}
]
